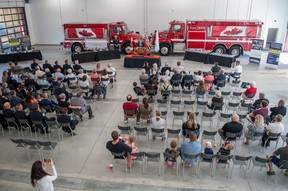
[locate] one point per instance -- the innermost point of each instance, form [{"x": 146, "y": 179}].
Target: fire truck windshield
[{"x": 126, "y": 29}]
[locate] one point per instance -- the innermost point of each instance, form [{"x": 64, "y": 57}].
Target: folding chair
[
  {"x": 48, "y": 146},
  {"x": 232, "y": 106},
  {"x": 39, "y": 124},
  {"x": 207, "y": 159},
  {"x": 144, "y": 82},
  {"x": 272, "y": 137},
  {"x": 10, "y": 121},
  {"x": 119, "y": 156},
  {"x": 130, "y": 114},
  {"x": 164, "y": 115},
  {"x": 53, "y": 124},
  {"x": 226, "y": 95},
  {"x": 145, "y": 115},
  {"x": 178, "y": 115},
  {"x": 175, "y": 83},
  {"x": 187, "y": 93},
  {"x": 283, "y": 166},
  {"x": 175, "y": 93},
  {"x": 33, "y": 145},
  {"x": 224, "y": 117},
  {"x": 210, "y": 94},
  {"x": 170, "y": 158},
  {"x": 284, "y": 139},
  {"x": 63, "y": 125},
  {"x": 153, "y": 157},
  {"x": 189, "y": 104},
  {"x": 201, "y": 105},
  {"x": 242, "y": 161},
  {"x": 175, "y": 104},
  {"x": 141, "y": 131},
  {"x": 24, "y": 124},
  {"x": 125, "y": 130},
  {"x": 187, "y": 158},
  {"x": 207, "y": 116},
  {"x": 157, "y": 133},
  {"x": 140, "y": 157},
  {"x": 257, "y": 137},
  {"x": 259, "y": 162},
  {"x": 210, "y": 135},
  {"x": 135, "y": 100},
  {"x": 173, "y": 133},
  {"x": 236, "y": 96},
  {"x": 162, "y": 103},
  {"x": 21, "y": 144},
  {"x": 222, "y": 159},
  {"x": 187, "y": 83},
  {"x": 232, "y": 137}
]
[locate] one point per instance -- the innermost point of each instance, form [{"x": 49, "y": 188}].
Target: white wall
[{"x": 45, "y": 17}]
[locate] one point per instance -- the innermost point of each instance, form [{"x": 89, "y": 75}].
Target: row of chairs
[
  {"x": 35, "y": 145},
  {"x": 213, "y": 160}
]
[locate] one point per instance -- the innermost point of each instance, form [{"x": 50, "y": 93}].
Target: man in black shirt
[
  {"x": 118, "y": 146},
  {"x": 231, "y": 127},
  {"x": 34, "y": 64},
  {"x": 166, "y": 67},
  {"x": 281, "y": 109},
  {"x": 256, "y": 104},
  {"x": 67, "y": 66}
]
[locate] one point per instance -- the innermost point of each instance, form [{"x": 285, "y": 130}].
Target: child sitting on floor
[{"x": 171, "y": 162}]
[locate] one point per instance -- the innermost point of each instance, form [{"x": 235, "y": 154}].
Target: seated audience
[
  {"x": 220, "y": 79},
  {"x": 256, "y": 104},
  {"x": 208, "y": 148},
  {"x": 231, "y": 127},
  {"x": 215, "y": 69},
  {"x": 31, "y": 82},
  {"x": 251, "y": 91},
  {"x": 79, "y": 101},
  {"x": 165, "y": 89},
  {"x": 59, "y": 74},
  {"x": 236, "y": 69},
  {"x": 217, "y": 99},
  {"x": 191, "y": 125},
  {"x": 179, "y": 67},
  {"x": 256, "y": 127},
  {"x": 146, "y": 67},
  {"x": 113, "y": 72},
  {"x": 158, "y": 123},
  {"x": 225, "y": 150},
  {"x": 46, "y": 102},
  {"x": 263, "y": 110},
  {"x": 274, "y": 127},
  {"x": 176, "y": 78},
  {"x": 199, "y": 76},
  {"x": 65, "y": 118},
  {"x": 145, "y": 107},
  {"x": 118, "y": 146},
  {"x": 39, "y": 73},
  {"x": 14, "y": 99},
  {"x": 34, "y": 64},
  {"x": 138, "y": 90},
  {"x": 49, "y": 66},
  {"x": 166, "y": 76},
  {"x": 36, "y": 115},
  {"x": 280, "y": 109},
  {"x": 171, "y": 162},
  {"x": 151, "y": 89},
  {"x": 165, "y": 68},
  {"x": 67, "y": 66},
  {"x": 22, "y": 115},
  {"x": 187, "y": 80},
  {"x": 200, "y": 90},
  {"x": 85, "y": 85},
  {"x": 143, "y": 76},
  {"x": 71, "y": 78},
  {"x": 20, "y": 91},
  {"x": 273, "y": 159},
  {"x": 129, "y": 105},
  {"x": 62, "y": 102},
  {"x": 77, "y": 66},
  {"x": 191, "y": 147},
  {"x": 209, "y": 80}
]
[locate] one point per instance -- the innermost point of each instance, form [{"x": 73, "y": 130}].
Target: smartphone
[{"x": 46, "y": 160}]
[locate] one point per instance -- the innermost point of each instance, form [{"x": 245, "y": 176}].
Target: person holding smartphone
[{"x": 40, "y": 179}]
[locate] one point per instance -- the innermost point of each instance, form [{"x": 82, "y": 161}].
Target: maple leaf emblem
[
  {"x": 234, "y": 31},
  {"x": 85, "y": 33}
]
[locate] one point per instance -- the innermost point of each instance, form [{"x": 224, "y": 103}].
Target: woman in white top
[
  {"x": 199, "y": 76},
  {"x": 105, "y": 79},
  {"x": 40, "y": 179},
  {"x": 158, "y": 123},
  {"x": 85, "y": 85}
]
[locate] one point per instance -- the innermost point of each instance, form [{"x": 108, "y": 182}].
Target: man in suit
[
  {"x": 46, "y": 102},
  {"x": 80, "y": 101},
  {"x": 48, "y": 65},
  {"x": 66, "y": 66},
  {"x": 31, "y": 82},
  {"x": 176, "y": 78},
  {"x": 34, "y": 64},
  {"x": 8, "y": 113},
  {"x": 166, "y": 67},
  {"x": 65, "y": 118},
  {"x": 21, "y": 114},
  {"x": 14, "y": 99},
  {"x": 77, "y": 66}
]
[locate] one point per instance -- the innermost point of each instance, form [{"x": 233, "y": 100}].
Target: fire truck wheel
[
  {"x": 127, "y": 49},
  {"x": 164, "y": 50},
  {"x": 235, "y": 51},
  {"x": 220, "y": 49},
  {"x": 77, "y": 47}
]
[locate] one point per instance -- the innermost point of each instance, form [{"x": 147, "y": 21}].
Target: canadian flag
[
  {"x": 157, "y": 42},
  {"x": 131, "y": 42},
  {"x": 85, "y": 32}
]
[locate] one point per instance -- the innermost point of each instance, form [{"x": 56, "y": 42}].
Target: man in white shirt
[
  {"x": 275, "y": 127},
  {"x": 236, "y": 68},
  {"x": 179, "y": 67}
]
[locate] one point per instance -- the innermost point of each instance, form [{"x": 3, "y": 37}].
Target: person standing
[
  {"x": 116, "y": 43},
  {"x": 40, "y": 179}
]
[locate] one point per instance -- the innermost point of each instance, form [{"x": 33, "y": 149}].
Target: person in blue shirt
[
  {"x": 208, "y": 148},
  {"x": 191, "y": 147}
]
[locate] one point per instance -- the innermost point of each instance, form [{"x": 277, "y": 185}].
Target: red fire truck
[
  {"x": 232, "y": 37},
  {"x": 79, "y": 36}
]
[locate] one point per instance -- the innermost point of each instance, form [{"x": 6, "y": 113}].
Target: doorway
[{"x": 271, "y": 36}]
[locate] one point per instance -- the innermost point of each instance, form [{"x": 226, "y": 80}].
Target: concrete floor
[{"x": 82, "y": 164}]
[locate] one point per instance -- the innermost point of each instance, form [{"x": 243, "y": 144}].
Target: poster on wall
[
  {"x": 273, "y": 55},
  {"x": 256, "y": 51}
]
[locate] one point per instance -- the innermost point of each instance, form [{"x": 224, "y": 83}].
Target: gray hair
[{"x": 62, "y": 96}]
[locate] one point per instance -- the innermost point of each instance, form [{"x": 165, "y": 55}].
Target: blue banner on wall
[
  {"x": 274, "y": 53},
  {"x": 256, "y": 51}
]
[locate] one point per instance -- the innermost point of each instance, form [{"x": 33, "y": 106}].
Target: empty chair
[
  {"x": 224, "y": 117},
  {"x": 153, "y": 157},
  {"x": 207, "y": 116},
  {"x": 2, "y": 129},
  {"x": 226, "y": 95},
  {"x": 125, "y": 130},
  {"x": 21, "y": 144},
  {"x": 24, "y": 124},
  {"x": 150, "y": 100},
  {"x": 245, "y": 107},
  {"x": 89, "y": 72},
  {"x": 135, "y": 100},
  {"x": 48, "y": 146},
  {"x": 162, "y": 103},
  {"x": 236, "y": 96},
  {"x": 201, "y": 105},
  {"x": 178, "y": 115},
  {"x": 284, "y": 165},
  {"x": 187, "y": 93},
  {"x": 175, "y": 104},
  {"x": 235, "y": 83},
  {"x": 284, "y": 139},
  {"x": 175, "y": 83},
  {"x": 140, "y": 156},
  {"x": 189, "y": 104},
  {"x": 119, "y": 156},
  {"x": 176, "y": 93},
  {"x": 11, "y": 122},
  {"x": 259, "y": 162},
  {"x": 144, "y": 82},
  {"x": 164, "y": 115},
  {"x": 210, "y": 135},
  {"x": 242, "y": 161},
  {"x": 173, "y": 133},
  {"x": 257, "y": 136},
  {"x": 222, "y": 159},
  {"x": 232, "y": 106},
  {"x": 40, "y": 125},
  {"x": 157, "y": 133},
  {"x": 210, "y": 94},
  {"x": 205, "y": 158},
  {"x": 141, "y": 131},
  {"x": 33, "y": 145}
]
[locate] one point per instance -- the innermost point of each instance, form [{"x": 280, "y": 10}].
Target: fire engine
[
  {"x": 79, "y": 36},
  {"x": 230, "y": 37}
]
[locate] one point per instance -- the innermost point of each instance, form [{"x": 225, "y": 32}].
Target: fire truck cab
[
  {"x": 79, "y": 36},
  {"x": 232, "y": 37}
]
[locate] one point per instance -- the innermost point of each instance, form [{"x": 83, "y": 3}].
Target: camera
[{"x": 46, "y": 160}]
